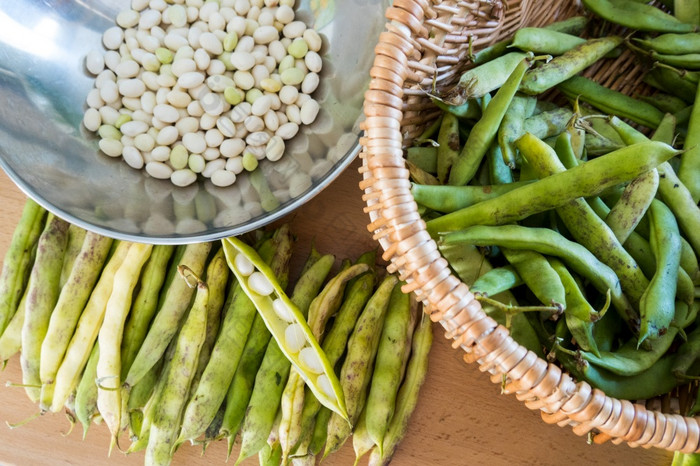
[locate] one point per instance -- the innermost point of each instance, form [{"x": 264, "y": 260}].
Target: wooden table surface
[{"x": 461, "y": 418}]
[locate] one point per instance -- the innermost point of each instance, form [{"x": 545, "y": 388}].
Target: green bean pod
[
  {"x": 228, "y": 348},
  {"x": 407, "y": 398},
  {"x": 548, "y": 123},
  {"x": 496, "y": 281},
  {"x": 548, "y": 242},
  {"x": 42, "y": 294},
  {"x": 545, "y": 41},
  {"x": 76, "y": 237},
  {"x": 274, "y": 370},
  {"x": 356, "y": 372},
  {"x": 173, "y": 305},
  {"x": 424, "y": 157},
  {"x": 448, "y": 199},
  {"x": 579, "y": 314},
  {"x": 637, "y": 16},
  {"x": 334, "y": 344},
  {"x": 286, "y": 323},
  {"x": 628, "y": 211},
  {"x": 670, "y": 81},
  {"x": 585, "y": 180},
  {"x": 538, "y": 275},
  {"x": 689, "y": 170},
  {"x": 511, "y": 128},
  {"x": 178, "y": 380},
  {"x": 484, "y": 78},
  {"x": 672, "y": 43},
  {"x": 583, "y": 223},
  {"x": 388, "y": 365},
  {"x": 448, "y": 145},
  {"x": 216, "y": 278},
  {"x": 11, "y": 339},
  {"x": 610, "y": 101},
  {"x": 657, "y": 306},
  {"x": 88, "y": 265},
  {"x": 570, "y": 63},
  {"x": 16, "y": 265},
  {"x": 86, "y": 393},
  {"x": 322, "y": 308},
  {"x": 485, "y": 130}
]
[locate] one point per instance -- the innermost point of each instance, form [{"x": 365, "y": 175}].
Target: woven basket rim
[{"x": 397, "y": 226}]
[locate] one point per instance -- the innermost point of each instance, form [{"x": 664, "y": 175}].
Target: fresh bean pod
[
  {"x": 356, "y": 371},
  {"x": 173, "y": 305},
  {"x": 538, "y": 275},
  {"x": 587, "y": 179},
  {"x": 88, "y": 265},
  {"x": 448, "y": 146},
  {"x": 689, "y": 170},
  {"x": 178, "y": 379},
  {"x": 407, "y": 398},
  {"x": 610, "y": 101},
  {"x": 583, "y": 223},
  {"x": 548, "y": 123},
  {"x": 548, "y": 242},
  {"x": 11, "y": 339},
  {"x": 388, "y": 365},
  {"x": 639, "y": 16},
  {"x": 657, "y": 306},
  {"x": 85, "y": 335},
  {"x": 16, "y": 265},
  {"x": 448, "y": 199},
  {"x": 484, "y": 78},
  {"x": 108, "y": 370},
  {"x": 544, "y": 41},
  {"x": 76, "y": 237},
  {"x": 570, "y": 63},
  {"x": 42, "y": 295},
  {"x": 226, "y": 353},
  {"x": 496, "y": 281},
  {"x": 273, "y": 373},
  {"x": 86, "y": 393},
  {"x": 484, "y": 131},
  {"x": 628, "y": 211},
  {"x": 262, "y": 288},
  {"x": 511, "y": 128}
]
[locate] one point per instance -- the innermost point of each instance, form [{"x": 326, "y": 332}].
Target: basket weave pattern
[{"x": 425, "y": 46}]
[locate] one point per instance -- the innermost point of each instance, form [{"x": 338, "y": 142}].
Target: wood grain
[{"x": 461, "y": 418}]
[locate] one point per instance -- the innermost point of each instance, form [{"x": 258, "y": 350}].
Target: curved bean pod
[
  {"x": 538, "y": 275},
  {"x": 637, "y": 16},
  {"x": 42, "y": 294}
]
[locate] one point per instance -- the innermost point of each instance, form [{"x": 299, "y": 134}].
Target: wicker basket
[{"x": 425, "y": 44}]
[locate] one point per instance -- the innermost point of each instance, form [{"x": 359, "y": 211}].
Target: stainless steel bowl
[{"x": 47, "y": 152}]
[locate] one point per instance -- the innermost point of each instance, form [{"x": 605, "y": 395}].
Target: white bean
[
  {"x": 202, "y": 59},
  {"x": 183, "y": 65},
  {"x": 244, "y": 80},
  {"x": 92, "y": 119},
  {"x": 309, "y": 358},
  {"x": 109, "y": 115},
  {"x": 288, "y": 94},
  {"x": 325, "y": 384},
  {"x": 211, "y": 153},
  {"x": 271, "y": 120},
  {"x": 94, "y": 100},
  {"x": 313, "y": 39},
  {"x": 194, "y": 142},
  {"x": 254, "y": 123},
  {"x": 166, "y": 113},
  {"x": 144, "y": 142},
  {"x": 223, "y": 178},
  {"x": 265, "y": 34},
  {"x": 207, "y": 121},
  {"x": 112, "y": 59},
  {"x": 177, "y": 15},
  {"x": 149, "y": 18},
  {"x": 183, "y": 177},
  {"x": 226, "y": 127},
  {"x": 94, "y": 62},
  {"x": 275, "y": 148},
  {"x": 284, "y": 14},
  {"x": 175, "y": 41},
  {"x": 294, "y": 29},
  {"x": 242, "y": 60},
  {"x": 294, "y": 337},
  {"x": 213, "y": 137},
  {"x": 133, "y": 157},
  {"x": 133, "y": 128},
  {"x": 216, "y": 67},
  {"x": 245, "y": 44},
  {"x": 243, "y": 265},
  {"x": 212, "y": 166},
  {"x": 109, "y": 92},
  {"x": 111, "y": 147},
  {"x": 190, "y": 79},
  {"x": 287, "y": 130},
  {"x": 131, "y": 87},
  {"x": 235, "y": 165},
  {"x": 313, "y": 61},
  {"x": 160, "y": 153},
  {"x": 232, "y": 147},
  {"x": 261, "y": 105},
  {"x": 210, "y": 43},
  {"x": 309, "y": 111},
  {"x": 113, "y": 37},
  {"x": 282, "y": 310}
]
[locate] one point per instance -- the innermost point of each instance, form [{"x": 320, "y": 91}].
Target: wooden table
[{"x": 461, "y": 418}]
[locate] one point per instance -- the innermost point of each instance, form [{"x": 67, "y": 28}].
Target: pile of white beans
[{"x": 189, "y": 88}]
